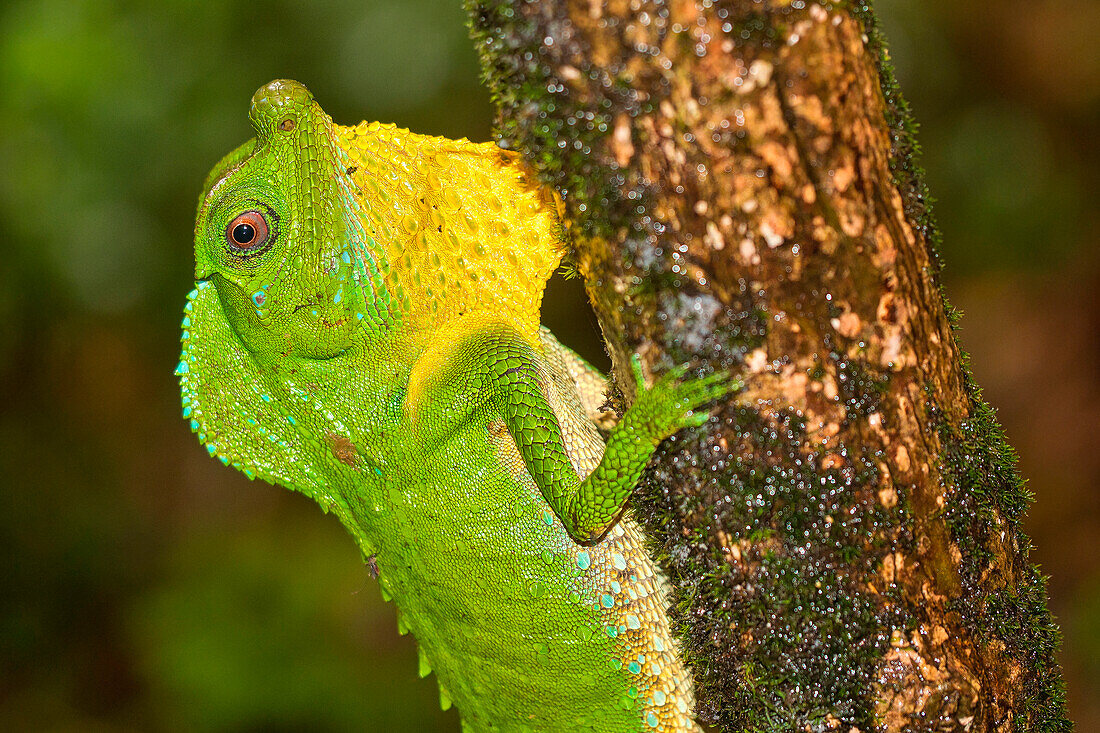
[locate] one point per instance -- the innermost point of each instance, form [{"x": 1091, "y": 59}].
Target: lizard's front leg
[{"x": 502, "y": 368}]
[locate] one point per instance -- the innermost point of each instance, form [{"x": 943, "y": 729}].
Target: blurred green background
[{"x": 145, "y": 587}]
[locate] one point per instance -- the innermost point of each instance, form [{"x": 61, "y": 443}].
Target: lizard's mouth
[
  {"x": 241, "y": 314},
  {"x": 308, "y": 330}
]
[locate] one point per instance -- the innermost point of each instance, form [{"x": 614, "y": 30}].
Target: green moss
[
  {"x": 987, "y": 499},
  {"x": 790, "y": 627}
]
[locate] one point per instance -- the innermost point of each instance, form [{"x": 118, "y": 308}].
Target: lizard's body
[{"x": 380, "y": 352}]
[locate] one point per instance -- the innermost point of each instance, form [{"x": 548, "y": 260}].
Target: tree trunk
[{"x": 740, "y": 186}]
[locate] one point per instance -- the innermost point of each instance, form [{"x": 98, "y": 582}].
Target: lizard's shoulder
[{"x": 448, "y": 350}]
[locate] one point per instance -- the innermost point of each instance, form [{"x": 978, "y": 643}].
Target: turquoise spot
[
  {"x": 658, "y": 698},
  {"x": 211, "y": 448},
  {"x": 182, "y": 368},
  {"x": 290, "y": 419},
  {"x": 187, "y": 412},
  {"x": 618, "y": 561},
  {"x": 224, "y": 460},
  {"x": 584, "y": 560},
  {"x": 615, "y": 664},
  {"x": 615, "y": 587},
  {"x": 547, "y": 518},
  {"x": 186, "y": 335},
  {"x": 186, "y": 323},
  {"x": 651, "y": 719},
  {"x": 190, "y": 296},
  {"x": 607, "y": 601},
  {"x": 634, "y": 668},
  {"x": 339, "y": 296},
  {"x": 633, "y": 622},
  {"x": 658, "y": 644},
  {"x": 265, "y": 397},
  {"x": 612, "y": 631},
  {"x": 194, "y": 425},
  {"x": 656, "y": 669}
]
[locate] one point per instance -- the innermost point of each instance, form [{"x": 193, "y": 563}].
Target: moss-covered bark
[{"x": 740, "y": 183}]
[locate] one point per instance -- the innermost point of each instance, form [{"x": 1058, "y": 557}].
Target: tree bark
[{"x": 740, "y": 187}]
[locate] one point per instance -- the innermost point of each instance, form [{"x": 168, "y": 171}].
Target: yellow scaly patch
[{"x": 464, "y": 226}]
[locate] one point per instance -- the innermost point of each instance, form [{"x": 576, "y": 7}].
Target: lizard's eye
[{"x": 247, "y": 233}]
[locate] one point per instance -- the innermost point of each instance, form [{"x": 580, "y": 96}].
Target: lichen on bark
[{"x": 740, "y": 184}]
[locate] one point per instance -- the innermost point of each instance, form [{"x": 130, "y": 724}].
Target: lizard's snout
[{"x": 278, "y": 105}]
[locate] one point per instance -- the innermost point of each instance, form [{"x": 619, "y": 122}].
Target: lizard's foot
[{"x": 673, "y": 402}]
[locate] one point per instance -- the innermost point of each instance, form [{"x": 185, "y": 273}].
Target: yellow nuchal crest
[{"x": 464, "y": 227}]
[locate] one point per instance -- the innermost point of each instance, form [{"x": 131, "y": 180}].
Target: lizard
[{"x": 364, "y": 329}]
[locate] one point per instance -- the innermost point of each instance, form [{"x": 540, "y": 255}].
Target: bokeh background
[{"x": 145, "y": 587}]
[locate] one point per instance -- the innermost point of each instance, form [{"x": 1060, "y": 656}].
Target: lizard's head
[
  {"x": 279, "y": 236},
  {"x": 286, "y": 294},
  {"x": 318, "y": 246}
]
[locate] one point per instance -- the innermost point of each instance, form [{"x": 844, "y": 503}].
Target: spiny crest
[{"x": 463, "y": 227}]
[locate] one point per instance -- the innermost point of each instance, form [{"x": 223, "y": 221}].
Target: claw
[
  {"x": 676, "y": 373},
  {"x": 696, "y": 419},
  {"x": 636, "y": 369}
]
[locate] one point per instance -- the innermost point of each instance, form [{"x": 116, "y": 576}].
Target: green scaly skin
[{"x": 432, "y": 416}]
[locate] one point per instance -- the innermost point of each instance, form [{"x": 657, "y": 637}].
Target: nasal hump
[{"x": 278, "y": 102}]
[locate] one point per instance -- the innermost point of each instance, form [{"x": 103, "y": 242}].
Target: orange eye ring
[{"x": 247, "y": 233}]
